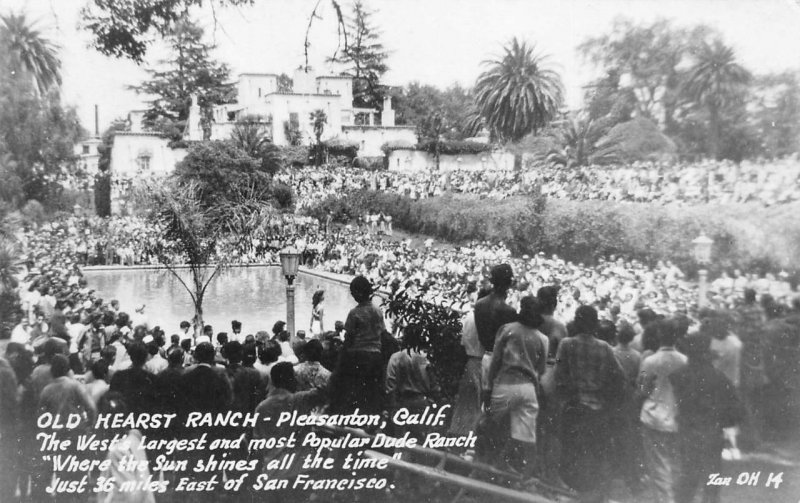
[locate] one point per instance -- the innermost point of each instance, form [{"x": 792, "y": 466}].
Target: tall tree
[
  {"x": 518, "y": 94},
  {"x": 364, "y": 57},
  {"x": 584, "y": 141},
  {"x": 775, "y": 115},
  {"x": 26, "y": 54},
  {"x": 195, "y": 229},
  {"x": 652, "y": 59},
  {"x": 714, "y": 82},
  {"x": 38, "y": 134},
  {"x": 251, "y": 136},
  {"x": 318, "y": 121},
  {"x": 189, "y": 70}
]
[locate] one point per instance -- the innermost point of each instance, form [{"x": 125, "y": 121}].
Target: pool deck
[{"x": 343, "y": 279}]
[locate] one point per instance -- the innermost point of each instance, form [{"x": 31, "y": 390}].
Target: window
[
  {"x": 143, "y": 162},
  {"x": 259, "y": 92},
  {"x": 294, "y": 120},
  {"x": 85, "y": 149}
]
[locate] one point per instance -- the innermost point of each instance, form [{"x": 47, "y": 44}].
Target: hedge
[
  {"x": 747, "y": 237},
  {"x": 446, "y": 147},
  {"x": 341, "y": 148},
  {"x": 294, "y": 155}
]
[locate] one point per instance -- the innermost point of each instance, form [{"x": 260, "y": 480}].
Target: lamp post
[
  {"x": 290, "y": 262},
  {"x": 702, "y": 254}
]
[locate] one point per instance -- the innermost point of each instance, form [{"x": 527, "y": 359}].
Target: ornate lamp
[
  {"x": 702, "y": 254},
  {"x": 290, "y": 263},
  {"x": 702, "y": 249}
]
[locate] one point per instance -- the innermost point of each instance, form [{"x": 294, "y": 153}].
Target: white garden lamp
[{"x": 702, "y": 254}]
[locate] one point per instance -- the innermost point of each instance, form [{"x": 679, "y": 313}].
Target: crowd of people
[
  {"x": 447, "y": 275},
  {"x": 615, "y": 356},
  {"x": 563, "y": 395},
  {"x": 716, "y": 182}
]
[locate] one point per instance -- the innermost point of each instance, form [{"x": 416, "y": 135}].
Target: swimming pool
[{"x": 256, "y": 296}]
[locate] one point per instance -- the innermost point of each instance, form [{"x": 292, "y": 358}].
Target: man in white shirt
[{"x": 659, "y": 411}]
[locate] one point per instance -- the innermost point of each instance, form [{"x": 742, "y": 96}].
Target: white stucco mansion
[{"x": 259, "y": 99}]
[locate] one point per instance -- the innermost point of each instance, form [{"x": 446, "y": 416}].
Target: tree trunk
[
  {"x": 198, "y": 317},
  {"x": 714, "y": 133}
]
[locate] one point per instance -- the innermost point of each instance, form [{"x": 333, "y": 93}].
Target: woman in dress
[{"x": 317, "y": 313}]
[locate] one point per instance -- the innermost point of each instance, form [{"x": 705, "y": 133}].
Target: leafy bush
[
  {"x": 585, "y": 231},
  {"x": 337, "y": 147},
  {"x": 221, "y": 170},
  {"x": 294, "y": 155},
  {"x": 397, "y": 145},
  {"x": 454, "y": 147},
  {"x": 283, "y": 196},
  {"x": 435, "y": 328},
  {"x": 371, "y": 163}
]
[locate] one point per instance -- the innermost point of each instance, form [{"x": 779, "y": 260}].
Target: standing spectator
[
  {"x": 408, "y": 381},
  {"x": 248, "y": 386},
  {"x": 753, "y": 374},
  {"x": 317, "y": 327},
  {"x": 9, "y": 415},
  {"x": 492, "y": 312},
  {"x": 550, "y": 409},
  {"x": 589, "y": 382},
  {"x": 96, "y": 382},
  {"x": 627, "y": 433},
  {"x": 311, "y": 374},
  {"x": 707, "y": 403},
  {"x": 658, "y": 415},
  {"x": 357, "y": 382},
  {"x": 135, "y": 384},
  {"x": 518, "y": 361},
  {"x": 155, "y": 363},
  {"x": 467, "y": 409},
  {"x": 63, "y": 396}
]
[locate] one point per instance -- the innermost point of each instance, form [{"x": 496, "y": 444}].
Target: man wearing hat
[{"x": 492, "y": 312}]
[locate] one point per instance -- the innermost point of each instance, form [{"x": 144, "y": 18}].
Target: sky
[{"x": 436, "y": 42}]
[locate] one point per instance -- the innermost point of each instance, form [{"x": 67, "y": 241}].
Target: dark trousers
[
  {"x": 700, "y": 453},
  {"x": 585, "y": 448},
  {"x": 357, "y": 383}
]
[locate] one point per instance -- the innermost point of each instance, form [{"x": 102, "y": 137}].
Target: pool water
[{"x": 256, "y": 296}]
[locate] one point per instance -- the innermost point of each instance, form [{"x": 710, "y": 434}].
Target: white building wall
[
  {"x": 129, "y": 149},
  {"x": 370, "y": 139},
  {"x": 252, "y": 88},
  {"x": 282, "y": 106}
]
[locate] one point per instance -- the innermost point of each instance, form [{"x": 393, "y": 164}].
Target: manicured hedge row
[{"x": 749, "y": 237}]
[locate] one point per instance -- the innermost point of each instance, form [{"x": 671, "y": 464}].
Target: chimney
[
  {"x": 387, "y": 114},
  {"x": 96, "y": 123}
]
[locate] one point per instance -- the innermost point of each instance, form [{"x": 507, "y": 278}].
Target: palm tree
[
  {"x": 9, "y": 265},
  {"x": 583, "y": 141},
  {"x": 25, "y": 52},
  {"x": 714, "y": 82},
  {"x": 518, "y": 94},
  {"x": 318, "y": 120}
]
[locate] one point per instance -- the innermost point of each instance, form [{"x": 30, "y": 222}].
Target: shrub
[
  {"x": 397, "y": 145},
  {"x": 435, "y": 328},
  {"x": 283, "y": 196},
  {"x": 341, "y": 148},
  {"x": 454, "y": 147},
  {"x": 585, "y": 231},
  {"x": 371, "y": 163},
  {"x": 294, "y": 155}
]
